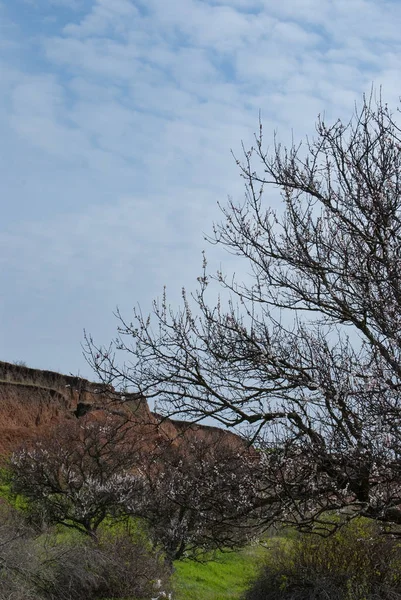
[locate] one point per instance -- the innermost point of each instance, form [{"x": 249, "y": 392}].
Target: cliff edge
[{"x": 33, "y": 401}]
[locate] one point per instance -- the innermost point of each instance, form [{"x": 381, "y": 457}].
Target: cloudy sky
[{"x": 116, "y": 122}]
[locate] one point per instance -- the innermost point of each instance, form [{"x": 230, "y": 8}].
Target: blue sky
[{"x": 116, "y": 122}]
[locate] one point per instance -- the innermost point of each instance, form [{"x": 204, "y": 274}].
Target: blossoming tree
[
  {"x": 81, "y": 474},
  {"x": 307, "y": 350}
]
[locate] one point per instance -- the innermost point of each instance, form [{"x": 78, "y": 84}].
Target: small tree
[
  {"x": 80, "y": 475},
  {"x": 199, "y": 493},
  {"x": 194, "y": 492},
  {"x": 308, "y": 349}
]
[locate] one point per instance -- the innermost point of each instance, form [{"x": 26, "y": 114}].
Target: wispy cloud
[{"x": 117, "y": 118}]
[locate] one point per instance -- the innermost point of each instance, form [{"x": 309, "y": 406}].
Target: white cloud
[
  {"x": 118, "y": 139},
  {"x": 105, "y": 17},
  {"x": 71, "y": 4}
]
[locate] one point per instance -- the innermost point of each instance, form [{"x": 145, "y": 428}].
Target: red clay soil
[{"x": 33, "y": 402}]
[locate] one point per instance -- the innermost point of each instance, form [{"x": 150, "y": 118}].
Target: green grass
[{"x": 224, "y": 578}]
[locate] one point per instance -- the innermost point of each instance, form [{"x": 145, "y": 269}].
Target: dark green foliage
[{"x": 357, "y": 563}]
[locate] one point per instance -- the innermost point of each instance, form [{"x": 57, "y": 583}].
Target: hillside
[{"x": 33, "y": 401}]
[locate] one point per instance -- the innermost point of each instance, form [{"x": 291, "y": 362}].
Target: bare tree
[
  {"x": 80, "y": 475},
  {"x": 308, "y": 350}
]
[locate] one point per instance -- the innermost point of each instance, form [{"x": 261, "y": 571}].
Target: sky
[{"x": 117, "y": 122}]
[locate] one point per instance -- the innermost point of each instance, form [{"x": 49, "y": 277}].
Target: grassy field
[{"x": 225, "y": 578}]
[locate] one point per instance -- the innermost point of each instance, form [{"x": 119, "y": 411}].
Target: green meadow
[{"x": 224, "y": 578}]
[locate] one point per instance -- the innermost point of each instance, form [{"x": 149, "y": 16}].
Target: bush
[
  {"x": 19, "y": 565},
  {"x": 47, "y": 566},
  {"x": 356, "y": 563},
  {"x": 118, "y": 565}
]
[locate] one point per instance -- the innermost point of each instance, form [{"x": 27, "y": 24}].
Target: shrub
[
  {"x": 118, "y": 565},
  {"x": 19, "y": 565},
  {"x": 356, "y": 563},
  {"x": 47, "y": 566}
]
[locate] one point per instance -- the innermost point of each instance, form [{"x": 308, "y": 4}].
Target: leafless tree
[
  {"x": 307, "y": 350},
  {"x": 80, "y": 475}
]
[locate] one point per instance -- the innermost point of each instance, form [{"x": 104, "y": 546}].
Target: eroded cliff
[{"x": 32, "y": 402}]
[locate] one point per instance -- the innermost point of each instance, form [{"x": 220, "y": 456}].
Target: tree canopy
[
  {"x": 306, "y": 352},
  {"x": 193, "y": 493}
]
